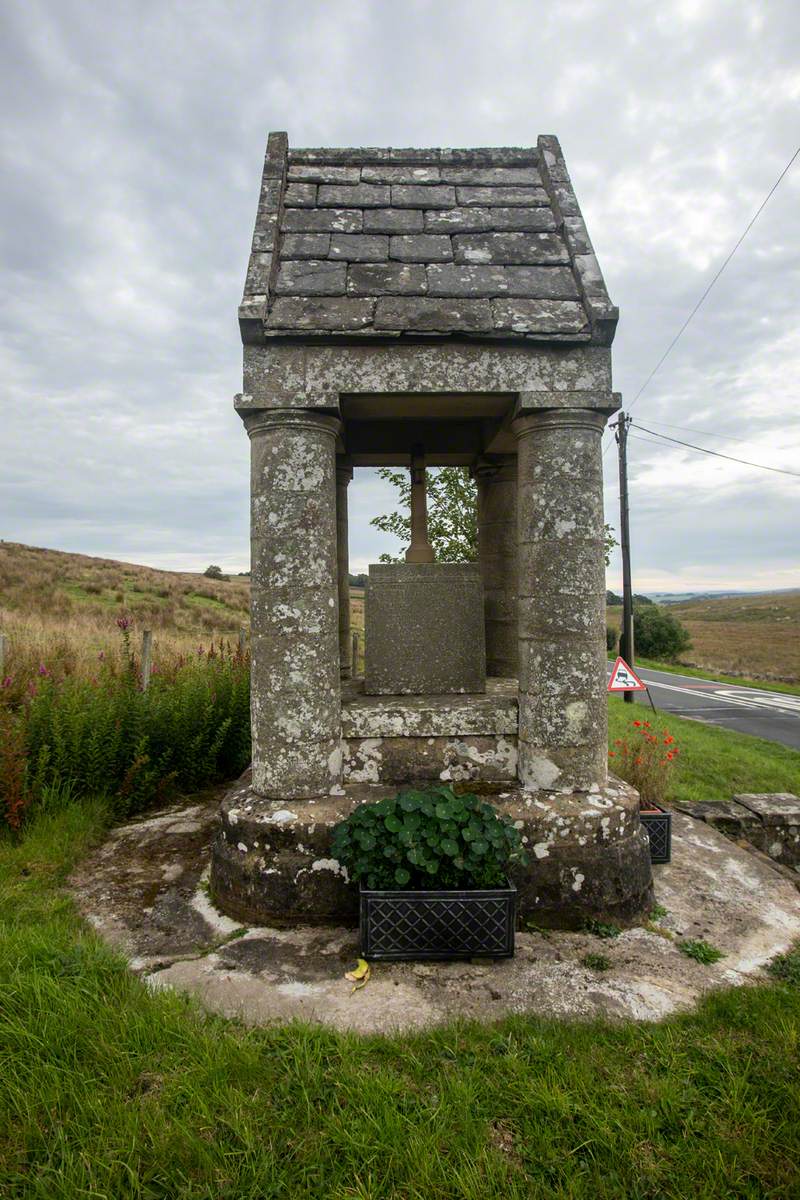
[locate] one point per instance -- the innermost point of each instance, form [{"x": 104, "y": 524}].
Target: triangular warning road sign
[{"x": 624, "y": 679}]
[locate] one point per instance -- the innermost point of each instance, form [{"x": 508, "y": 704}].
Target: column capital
[
  {"x": 497, "y": 466},
  {"x": 589, "y": 420},
  {"x": 260, "y": 420}
]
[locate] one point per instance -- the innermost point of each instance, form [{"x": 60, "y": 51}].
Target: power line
[
  {"x": 726, "y": 437},
  {"x": 715, "y": 453},
  {"x": 700, "y": 302},
  {"x": 697, "y": 306}
]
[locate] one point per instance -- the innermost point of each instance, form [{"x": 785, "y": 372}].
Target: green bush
[
  {"x": 612, "y": 638},
  {"x": 427, "y": 839},
  {"x": 658, "y": 633},
  {"x": 107, "y": 737}
]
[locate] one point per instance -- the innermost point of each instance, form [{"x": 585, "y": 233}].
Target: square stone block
[{"x": 423, "y": 629}]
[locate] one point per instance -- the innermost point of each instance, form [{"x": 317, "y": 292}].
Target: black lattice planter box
[
  {"x": 658, "y": 823},
  {"x": 406, "y": 925}
]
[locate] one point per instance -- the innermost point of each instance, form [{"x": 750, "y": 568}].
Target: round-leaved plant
[{"x": 427, "y": 839}]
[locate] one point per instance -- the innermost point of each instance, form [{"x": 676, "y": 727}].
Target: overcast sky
[{"x": 132, "y": 140}]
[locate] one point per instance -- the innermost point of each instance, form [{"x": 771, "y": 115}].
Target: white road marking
[{"x": 775, "y": 702}]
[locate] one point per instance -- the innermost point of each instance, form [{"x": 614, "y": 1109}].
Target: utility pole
[{"x": 626, "y": 641}]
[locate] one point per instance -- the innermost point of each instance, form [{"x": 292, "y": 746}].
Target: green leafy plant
[
  {"x": 657, "y": 912},
  {"x": 700, "y": 951},
  {"x": 597, "y": 962},
  {"x": 786, "y": 967},
  {"x": 427, "y": 839},
  {"x": 658, "y": 633},
  {"x": 602, "y": 929},
  {"x": 646, "y": 759}
]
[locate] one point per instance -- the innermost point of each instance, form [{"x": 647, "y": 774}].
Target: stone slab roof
[{"x": 485, "y": 243}]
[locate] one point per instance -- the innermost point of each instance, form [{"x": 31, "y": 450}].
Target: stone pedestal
[
  {"x": 562, "y": 675},
  {"x": 295, "y": 692},
  {"x": 589, "y": 856},
  {"x": 423, "y": 629},
  {"x": 496, "y": 480}
]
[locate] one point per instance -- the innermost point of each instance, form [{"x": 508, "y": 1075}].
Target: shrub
[
  {"x": 214, "y": 572},
  {"x": 427, "y": 839},
  {"x": 612, "y": 638},
  {"x": 646, "y": 760},
  {"x": 104, "y": 736},
  {"x": 700, "y": 951},
  {"x": 786, "y": 967},
  {"x": 658, "y": 633}
]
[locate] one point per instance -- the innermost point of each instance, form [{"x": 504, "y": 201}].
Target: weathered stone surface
[
  {"x": 497, "y": 556},
  {"x": 420, "y": 760},
  {"x": 361, "y": 195},
  {"x": 483, "y": 220},
  {"x": 298, "y": 173},
  {"x": 510, "y": 248},
  {"x": 774, "y": 808},
  {"x": 322, "y": 220},
  {"x": 359, "y": 247},
  {"x": 589, "y": 856},
  {"x": 393, "y": 220},
  {"x": 433, "y": 315},
  {"x": 544, "y": 376},
  {"x": 306, "y": 245},
  {"x": 490, "y": 713},
  {"x": 421, "y": 248},
  {"x": 312, "y": 313},
  {"x": 413, "y": 196},
  {"x": 453, "y": 279},
  {"x": 300, "y": 195},
  {"x": 712, "y": 889},
  {"x": 492, "y": 176},
  {"x": 310, "y": 277},
  {"x": 563, "y": 732},
  {"x": 408, "y": 174},
  {"x": 423, "y": 627},
  {"x": 507, "y": 197},
  {"x": 540, "y": 316},
  {"x": 294, "y": 699},
  {"x": 387, "y": 279}
]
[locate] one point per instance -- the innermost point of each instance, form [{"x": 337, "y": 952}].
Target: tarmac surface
[{"x": 765, "y": 714}]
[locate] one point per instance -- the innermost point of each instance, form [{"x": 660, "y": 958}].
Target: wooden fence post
[
  {"x": 355, "y": 653},
  {"x": 3, "y": 645},
  {"x": 242, "y": 641},
  {"x": 147, "y": 658}
]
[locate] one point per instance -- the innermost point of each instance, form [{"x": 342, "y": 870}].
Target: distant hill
[{"x": 78, "y": 588}]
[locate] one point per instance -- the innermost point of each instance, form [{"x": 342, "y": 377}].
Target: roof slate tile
[
  {"x": 310, "y": 277},
  {"x": 393, "y": 220},
  {"x": 355, "y": 247},
  {"x": 424, "y": 315},
  {"x": 324, "y": 220},
  {"x": 510, "y": 248},
  {"x": 386, "y": 279},
  {"x": 360, "y": 195},
  {"x": 421, "y": 247},
  {"x": 422, "y": 196},
  {"x": 484, "y": 220},
  {"x": 506, "y": 196}
]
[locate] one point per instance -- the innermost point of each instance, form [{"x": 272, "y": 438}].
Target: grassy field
[
  {"x": 753, "y": 636},
  {"x": 113, "y": 1092},
  {"x": 60, "y": 610},
  {"x": 713, "y": 763}
]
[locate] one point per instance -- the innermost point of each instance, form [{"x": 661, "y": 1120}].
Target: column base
[{"x": 589, "y": 855}]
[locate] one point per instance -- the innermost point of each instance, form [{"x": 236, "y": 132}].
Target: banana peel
[{"x": 359, "y": 977}]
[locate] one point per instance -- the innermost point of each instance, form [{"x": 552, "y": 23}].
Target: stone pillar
[
  {"x": 562, "y": 673},
  {"x": 295, "y": 692},
  {"x": 344, "y": 474},
  {"x": 497, "y": 555}
]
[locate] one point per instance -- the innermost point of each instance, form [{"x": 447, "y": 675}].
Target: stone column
[
  {"x": 295, "y": 692},
  {"x": 344, "y": 474},
  {"x": 562, "y": 696},
  {"x": 497, "y": 555}
]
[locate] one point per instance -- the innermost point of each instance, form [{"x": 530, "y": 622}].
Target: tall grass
[{"x": 65, "y": 735}]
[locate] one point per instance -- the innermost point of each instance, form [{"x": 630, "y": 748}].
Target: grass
[
  {"x": 110, "y": 1091},
  {"x": 714, "y": 763},
  {"x": 701, "y": 951},
  {"x": 747, "y": 638}
]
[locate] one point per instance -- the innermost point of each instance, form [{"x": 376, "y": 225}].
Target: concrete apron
[{"x": 145, "y": 892}]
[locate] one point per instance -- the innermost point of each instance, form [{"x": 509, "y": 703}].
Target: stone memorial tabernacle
[{"x": 439, "y": 307}]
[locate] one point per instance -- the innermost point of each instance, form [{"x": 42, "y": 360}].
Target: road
[{"x": 771, "y": 715}]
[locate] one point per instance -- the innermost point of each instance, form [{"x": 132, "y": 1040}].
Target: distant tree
[
  {"x": 357, "y": 580},
  {"x": 452, "y": 513},
  {"x": 658, "y": 634},
  {"x": 612, "y": 637},
  {"x": 214, "y": 572},
  {"x": 637, "y": 599},
  {"x": 613, "y": 598}
]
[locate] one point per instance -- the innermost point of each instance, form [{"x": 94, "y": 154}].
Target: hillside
[
  {"x": 755, "y": 635},
  {"x": 60, "y": 610}
]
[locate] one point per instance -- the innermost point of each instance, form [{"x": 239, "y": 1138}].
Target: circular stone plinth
[{"x": 588, "y": 856}]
